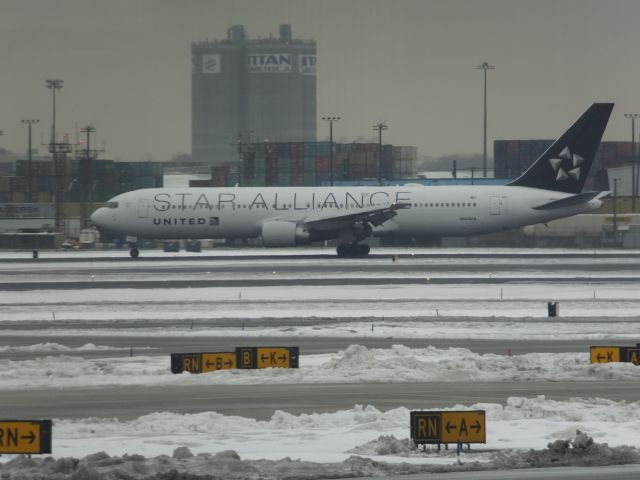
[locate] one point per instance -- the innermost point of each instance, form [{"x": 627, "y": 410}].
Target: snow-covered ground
[
  {"x": 525, "y": 432},
  {"x": 579, "y": 300},
  {"x": 353, "y": 365},
  {"x": 330, "y": 437},
  {"x": 332, "y": 326},
  {"x": 590, "y": 310},
  {"x": 521, "y": 423}
]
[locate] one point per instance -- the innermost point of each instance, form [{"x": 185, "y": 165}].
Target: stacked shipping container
[
  {"x": 95, "y": 181},
  {"x": 308, "y": 164},
  {"x": 513, "y": 157}
]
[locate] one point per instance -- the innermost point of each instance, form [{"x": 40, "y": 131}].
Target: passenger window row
[{"x": 416, "y": 205}]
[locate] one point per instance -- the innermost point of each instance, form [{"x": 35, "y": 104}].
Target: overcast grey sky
[{"x": 126, "y": 65}]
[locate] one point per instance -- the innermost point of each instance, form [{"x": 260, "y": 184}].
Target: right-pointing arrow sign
[
  {"x": 25, "y": 436},
  {"x": 31, "y": 437},
  {"x": 476, "y": 426},
  {"x": 464, "y": 426}
]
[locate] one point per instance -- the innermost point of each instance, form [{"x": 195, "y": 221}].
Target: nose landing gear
[
  {"x": 133, "y": 246},
  {"x": 353, "y": 250}
]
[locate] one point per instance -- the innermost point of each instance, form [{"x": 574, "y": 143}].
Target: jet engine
[{"x": 280, "y": 233}]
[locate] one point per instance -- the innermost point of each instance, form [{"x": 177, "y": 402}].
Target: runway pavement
[
  {"x": 261, "y": 401},
  {"x": 94, "y": 272},
  {"x": 304, "y": 282}
]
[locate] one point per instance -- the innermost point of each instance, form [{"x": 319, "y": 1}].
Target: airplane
[{"x": 288, "y": 216}]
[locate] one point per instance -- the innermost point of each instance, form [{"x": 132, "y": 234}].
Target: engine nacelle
[{"x": 280, "y": 233}]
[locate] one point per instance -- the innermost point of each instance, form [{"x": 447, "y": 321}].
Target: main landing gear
[{"x": 353, "y": 250}]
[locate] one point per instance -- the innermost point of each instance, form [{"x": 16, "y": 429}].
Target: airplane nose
[{"x": 97, "y": 216}]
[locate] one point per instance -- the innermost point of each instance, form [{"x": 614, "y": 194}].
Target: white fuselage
[{"x": 239, "y": 212}]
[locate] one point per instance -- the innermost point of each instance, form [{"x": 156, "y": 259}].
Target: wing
[{"x": 374, "y": 216}]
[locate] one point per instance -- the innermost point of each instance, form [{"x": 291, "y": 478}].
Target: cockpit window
[{"x": 112, "y": 205}]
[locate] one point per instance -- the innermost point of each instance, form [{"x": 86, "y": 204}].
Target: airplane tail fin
[{"x": 565, "y": 165}]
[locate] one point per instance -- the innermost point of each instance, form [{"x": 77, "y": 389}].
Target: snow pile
[
  {"x": 581, "y": 451},
  {"x": 404, "y": 364},
  {"x": 387, "y": 445},
  {"x": 56, "y": 347},
  {"x": 64, "y": 371},
  {"x": 224, "y": 465},
  {"x": 398, "y": 364},
  {"x": 213, "y": 423}
]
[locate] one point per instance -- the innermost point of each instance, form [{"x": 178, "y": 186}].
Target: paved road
[
  {"x": 235, "y": 266},
  {"x": 261, "y": 401},
  {"x": 308, "y": 282},
  {"x": 253, "y": 254},
  {"x": 82, "y": 272}
]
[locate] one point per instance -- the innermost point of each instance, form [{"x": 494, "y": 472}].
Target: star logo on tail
[{"x": 566, "y": 165}]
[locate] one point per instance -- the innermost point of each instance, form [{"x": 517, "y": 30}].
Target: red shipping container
[
  {"x": 623, "y": 149},
  {"x": 271, "y": 164}
]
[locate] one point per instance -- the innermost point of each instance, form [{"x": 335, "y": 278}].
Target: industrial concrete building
[{"x": 264, "y": 89}]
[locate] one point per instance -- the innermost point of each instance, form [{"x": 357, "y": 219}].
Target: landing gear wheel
[
  {"x": 134, "y": 252},
  {"x": 342, "y": 250}
]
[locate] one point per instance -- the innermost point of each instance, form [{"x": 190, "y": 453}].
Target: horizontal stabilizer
[{"x": 571, "y": 201}]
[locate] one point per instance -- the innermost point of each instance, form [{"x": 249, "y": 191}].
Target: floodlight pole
[
  {"x": 331, "y": 120},
  {"x": 379, "y": 127},
  {"x": 485, "y": 66},
  {"x": 29, "y": 124},
  {"x": 54, "y": 85},
  {"x": 634, "y": 165}
]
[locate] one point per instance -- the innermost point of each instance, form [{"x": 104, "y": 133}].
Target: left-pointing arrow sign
[{"x": 450, "y": 426}]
